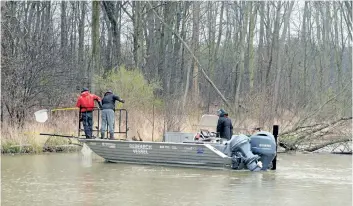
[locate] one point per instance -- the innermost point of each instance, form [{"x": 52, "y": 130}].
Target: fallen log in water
[
  {"x": 325, "y": 144},
  {"x": 319, "y": 146},
  {"x": 326, "y": 133},
  {"x": 343, "y": 153}
]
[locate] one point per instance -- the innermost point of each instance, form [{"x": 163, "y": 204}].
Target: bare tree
[
  {"x": 195, "y": 47},
  {"x": 95, "y": 67},
  {"x": 271, "y": 65}
]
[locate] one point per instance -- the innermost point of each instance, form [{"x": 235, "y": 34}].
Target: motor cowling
[{"x": 263, "y": 144}]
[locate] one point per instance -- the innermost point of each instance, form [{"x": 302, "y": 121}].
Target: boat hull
[{"x": 160, "y": 153}]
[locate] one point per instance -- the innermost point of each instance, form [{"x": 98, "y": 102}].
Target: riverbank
[
  {"x": 31, "y": 149},
  {"x": 28, "y": 140}
]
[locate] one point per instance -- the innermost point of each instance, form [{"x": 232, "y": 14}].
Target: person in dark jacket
[
  {"x": 224, "y": 125},
  {"x": 86, "y": 104},
  {"x": 108, "y": 108}
]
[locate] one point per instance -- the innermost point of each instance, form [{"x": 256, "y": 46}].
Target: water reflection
[{"x": 76, "y": 179}]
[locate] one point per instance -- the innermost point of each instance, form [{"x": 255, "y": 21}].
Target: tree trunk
[
  {"x": 304, "y": 45},
  {"x": 252, "y": 23},
  {"x": 176, "y": 71},
  {"x": 325, "y": 144},
  {"x": 64, "y": 32},
  {"x": 260, "y": 55},
  {"x": 110, "y": 9},
  {"x": 95, "y": 43},
  {"x": 215, "y": 51},
  {"x": 169, "y": 13},
  {"x": 136, "y": 35},
  {"x": 280, "y": 58},
  {"x": 109, "y": 47},
  {"x": 185, "y": 84},
  {"x": 117, "y": 36},
  {"x": 211, "y": 17},
  {"x": 81, "y": 39},
  {"x": 195, "y": 47},
  {"x": 241, "y": 61},
  {"x": 150, "y": 36},
  {"x": 161, "y": 56}
]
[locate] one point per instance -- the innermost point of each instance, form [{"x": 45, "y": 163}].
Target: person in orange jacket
[{"x": 86, "y": 104}]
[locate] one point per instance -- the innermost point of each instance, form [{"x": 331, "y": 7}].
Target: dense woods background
[{"x": 265, "y": 62}]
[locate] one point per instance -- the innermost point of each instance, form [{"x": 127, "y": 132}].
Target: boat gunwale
[{"x": 145, "y": 142}]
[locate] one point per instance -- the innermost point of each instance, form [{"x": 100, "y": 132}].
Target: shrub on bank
[{"x": 131, "y": 86}]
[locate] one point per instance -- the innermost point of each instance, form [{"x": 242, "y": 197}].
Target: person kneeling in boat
[
  {"x": 108, "y": 108},
  {"x": 224, "y": 125},
  {"x": 86, "y": 104}
]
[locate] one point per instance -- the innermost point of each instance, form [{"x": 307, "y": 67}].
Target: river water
[{"x": 71, "y": 179}]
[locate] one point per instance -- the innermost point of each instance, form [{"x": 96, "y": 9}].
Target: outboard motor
[
  {"x": 238, "y": 161},
  {"x": 240, "y": 147},
  {"x": 264, "y": 144}
]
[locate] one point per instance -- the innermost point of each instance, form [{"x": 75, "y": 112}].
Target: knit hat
[
  {"x": 108, "y": 91},
  {"x": 221, "y": 112},
  {"x": 84, "y": 89}
]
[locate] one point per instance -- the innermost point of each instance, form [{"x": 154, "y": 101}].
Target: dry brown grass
[
  {"x": 65, "y": 122},
  {"x": 140, "y": 124},
  {"x": 29, "y": 134}
]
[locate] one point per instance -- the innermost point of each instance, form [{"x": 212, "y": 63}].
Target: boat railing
[{"x": 121, "y": 130}]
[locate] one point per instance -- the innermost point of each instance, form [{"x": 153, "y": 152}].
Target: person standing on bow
[
  {"x": 108, "y": 108},
  {"x": 86, "y": 104},
  {"x": 224, "y": 125}
]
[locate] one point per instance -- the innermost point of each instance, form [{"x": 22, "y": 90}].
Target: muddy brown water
[{"x": 71, "y": 179}]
